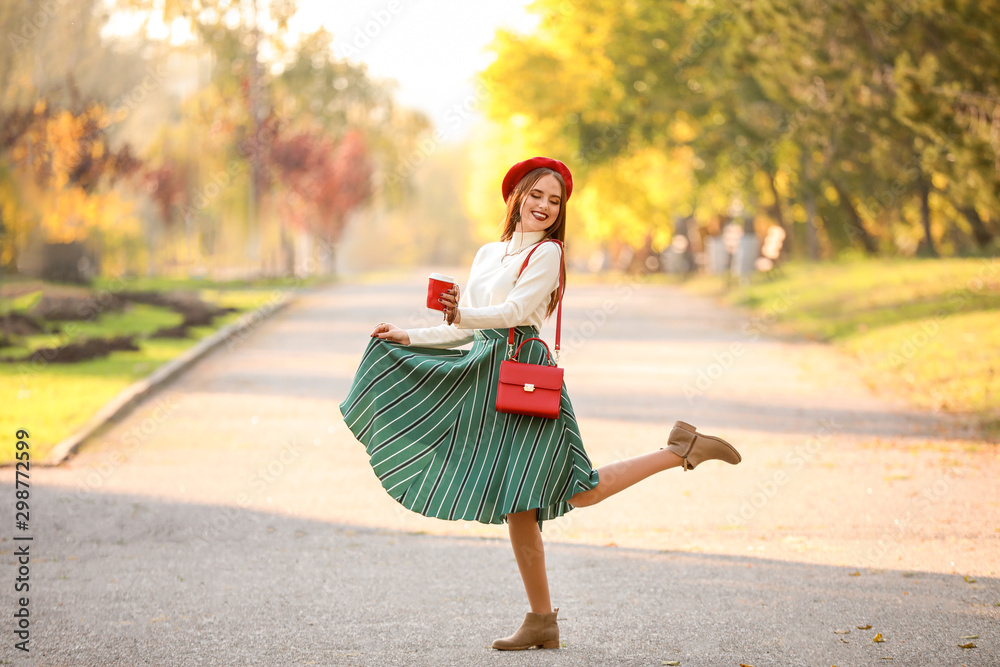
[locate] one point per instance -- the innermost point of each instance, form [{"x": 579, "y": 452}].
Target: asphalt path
[{"x": 232, "y": 519}]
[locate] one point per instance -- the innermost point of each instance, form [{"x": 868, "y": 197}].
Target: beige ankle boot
[
  {"x": 695, "y": 447},
  {"x": 537, "y": 631}
]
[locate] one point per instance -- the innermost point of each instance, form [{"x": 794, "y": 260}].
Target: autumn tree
[{"x": 857, "y": 125}]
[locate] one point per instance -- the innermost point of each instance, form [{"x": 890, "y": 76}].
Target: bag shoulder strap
[{"x": 561, "y": 290}]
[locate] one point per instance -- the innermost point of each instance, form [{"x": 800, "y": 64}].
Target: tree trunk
[
  {"x": 857, "y": 229},
  {"x": 812, "y": 236},
  {"x": 982, "y": 235},
  {"x": 776, "y": 210},
  {"x": 330, "y": 263},
  {"x": 925, "y": 216},
  {"x": 255, "y": 117},
  {"x": 288, "y": 248}
]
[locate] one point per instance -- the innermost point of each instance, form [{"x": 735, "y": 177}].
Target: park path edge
[{"x": 135, "y": 393}]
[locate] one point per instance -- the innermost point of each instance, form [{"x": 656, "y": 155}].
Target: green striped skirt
[{"x": 427, "y": 418}]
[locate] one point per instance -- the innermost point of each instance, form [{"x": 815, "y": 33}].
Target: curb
[{"x": 136, "y": 392}]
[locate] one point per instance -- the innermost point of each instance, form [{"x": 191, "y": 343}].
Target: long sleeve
[
  {"x": 495, "y": 296},
  {"x": 444, "y": 336},
  {"x": 531, "y": 290}
]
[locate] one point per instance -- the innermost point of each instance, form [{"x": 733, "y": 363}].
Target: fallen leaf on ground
[
  {"x": 970, "y": 579},
  {"x": 863, "y": 627},
  {"x": 878, "y": 638},
  {"x": 854, "y": 574},
  {"x": 671, "y": 662},
  {"x": 970, "y": 637},
  {"x": 847, "y": 632},
  {"x": 969, "y": 645},
  {"x": 845, "y": 641}
]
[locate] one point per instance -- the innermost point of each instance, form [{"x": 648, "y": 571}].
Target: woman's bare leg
[
  {"x": 619, "y": 475},
  {"x": 526, "y": 539}
]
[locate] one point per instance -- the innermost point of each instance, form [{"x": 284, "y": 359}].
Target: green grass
[
  {"x": 928, "y": 330},
  {"x": 139, "y": 319},
  {"x": 25, "y": 302},
  {"x": 162, "y": 284},
  {"x": 52, "y": 400}
]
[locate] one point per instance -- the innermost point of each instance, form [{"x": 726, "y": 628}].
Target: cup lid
[{"x": 442, "y": 277}]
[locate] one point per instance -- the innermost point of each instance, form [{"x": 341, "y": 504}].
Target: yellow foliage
[
  {"x": 763, "y": 186},
  {"x": 781, "y": 182},
  {"x": 495, "y": 147},
  {"x": 636, "y": 197},
  {"x": 554, "y": 70},
  {"x": 683, "y": 129},
  {"x": 42, "y": 164},
  {"x": 17, "y": 224},
  {"x": 799, "y": 213},
  {"x": 541, "y": 85}
]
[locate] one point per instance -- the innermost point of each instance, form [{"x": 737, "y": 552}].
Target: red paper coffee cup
[{"x": 437, "y": 284}]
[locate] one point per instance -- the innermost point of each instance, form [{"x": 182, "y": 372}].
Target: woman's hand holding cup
[
  {"x": 449, "y": 301},
  {"x": 436, "y": 285},
  {"x": 442, "y": 294}
]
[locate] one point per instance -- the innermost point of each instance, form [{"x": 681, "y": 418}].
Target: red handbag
[{"x": 532, "y": 389}]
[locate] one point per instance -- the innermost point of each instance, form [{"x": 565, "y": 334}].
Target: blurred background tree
[
  {"x": 868, "y": 127},
  {"x": 231, "y": 145},
  {"x": 221, "y": 148}
]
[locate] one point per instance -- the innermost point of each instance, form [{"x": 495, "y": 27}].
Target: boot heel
[{"x": 537, "y": 631}]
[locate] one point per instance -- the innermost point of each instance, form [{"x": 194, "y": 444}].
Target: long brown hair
[{"x": 557, "y": 231}]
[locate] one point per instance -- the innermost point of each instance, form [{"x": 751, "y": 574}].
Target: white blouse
[{"x": 491, "y": 300}]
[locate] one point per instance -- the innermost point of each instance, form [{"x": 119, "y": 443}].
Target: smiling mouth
[{"x": 539, "y": 216}]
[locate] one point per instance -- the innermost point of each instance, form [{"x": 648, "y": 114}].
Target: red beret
[{"x": 518, "y": 171}]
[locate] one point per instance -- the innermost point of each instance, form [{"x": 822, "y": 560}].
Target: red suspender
[{"x": 561, "y": 290}]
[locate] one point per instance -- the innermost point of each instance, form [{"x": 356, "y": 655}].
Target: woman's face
[{"x": 540, "y": 206}]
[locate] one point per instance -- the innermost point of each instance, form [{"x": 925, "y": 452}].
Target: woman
[{"x": 426, "y": 412}]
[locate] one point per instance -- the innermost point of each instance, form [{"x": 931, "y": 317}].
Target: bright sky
[{"x": 431, "y": 47}]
